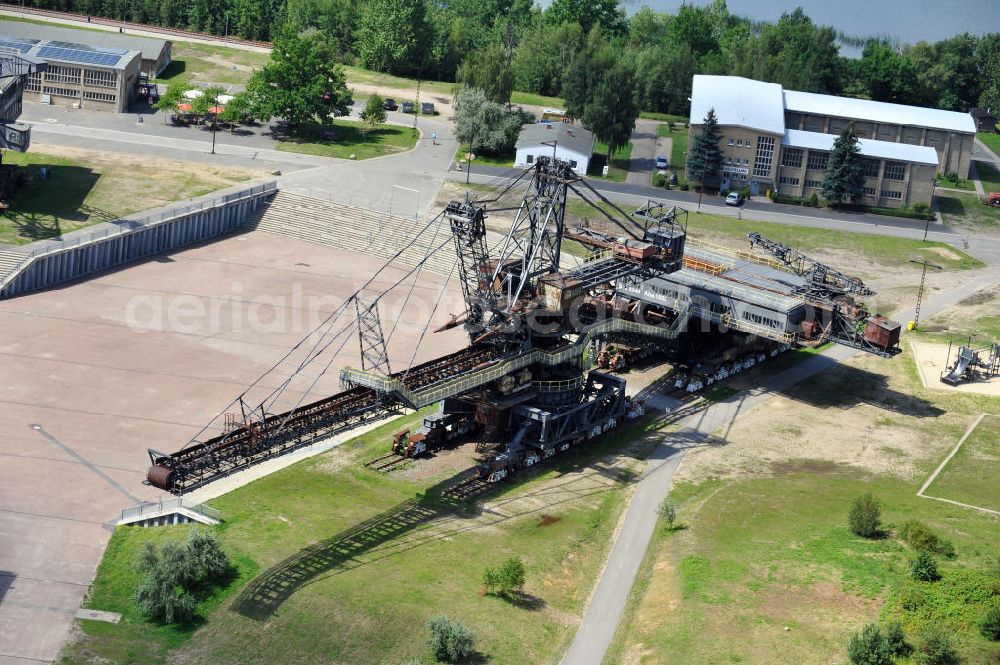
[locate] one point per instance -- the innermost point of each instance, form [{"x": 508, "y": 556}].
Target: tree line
[{"x": 515, "y": 44}]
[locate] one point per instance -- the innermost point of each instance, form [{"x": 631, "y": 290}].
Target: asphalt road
[{"x": 611, "y": 593}]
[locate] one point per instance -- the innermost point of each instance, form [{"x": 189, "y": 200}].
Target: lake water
[{"x": 909, "y": 21}]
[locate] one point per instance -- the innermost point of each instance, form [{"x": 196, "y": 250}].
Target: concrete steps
[
  {"x": 172, "y": 511},
  {"x": 356, "y": 229},
  {"x": 10, "y": 262}
]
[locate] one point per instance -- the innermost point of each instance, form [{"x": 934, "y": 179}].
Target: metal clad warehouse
[
  {"x": 78, "y": 75},
  {"x": 156, "y": 53}
]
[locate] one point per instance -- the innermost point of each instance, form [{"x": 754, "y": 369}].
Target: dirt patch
[
  {"x": 932, "y": 362},
  {"x": 839, "y": 419},
  {"x": 821, "y": 600},
  {"x": 441, "y": 464},
  {"x": 947, "y": 253},
  {"x": 548, "y": 520},
  {"x": 442, "y": 103}
]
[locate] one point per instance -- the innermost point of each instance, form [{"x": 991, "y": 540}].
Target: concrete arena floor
[{"x": 100, "y": 392}]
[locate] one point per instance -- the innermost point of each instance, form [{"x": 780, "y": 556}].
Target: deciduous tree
[
  {"x": 301, "y": 83},
  {"x": 394, "y": 36}
]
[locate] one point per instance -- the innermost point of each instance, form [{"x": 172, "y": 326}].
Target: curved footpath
[{"x": 608, "y": 601}]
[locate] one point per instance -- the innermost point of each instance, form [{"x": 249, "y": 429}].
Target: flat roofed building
[
  {"x": 156, "y": 53},
  {"x": 950, "y": 133},
  {"x": 762, "y": 151},
  {"x": 78, "y": 75},
  {"x": 572, "y": 143}
]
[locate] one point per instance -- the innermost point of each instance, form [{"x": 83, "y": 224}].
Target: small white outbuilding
[{"x": 573, "y": 144}]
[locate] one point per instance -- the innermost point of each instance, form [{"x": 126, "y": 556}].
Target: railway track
[{"x": 386, "y": 463}]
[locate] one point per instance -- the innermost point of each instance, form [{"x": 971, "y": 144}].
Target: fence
[{"x": 49, "y": 262}]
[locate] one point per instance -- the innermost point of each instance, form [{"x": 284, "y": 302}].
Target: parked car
[
  {"x": 734, "y": 199},
  {"x": 390, "y": 104},
  {"x": 661, "y": 163},
  {"x": 408, "y": 107},
  {"x": 427, "y": 108}
]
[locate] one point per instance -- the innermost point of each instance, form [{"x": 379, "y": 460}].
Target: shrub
[
  {"x": 896, "y": 639},
  {"x": 951, "y": 176},
  {"x": 685, "y": 187},
  {"x": 865, "y": 517},
  {"x": 814, "y": 200},
  {"x": 669, "y": 513},
  {"x": 659, "y": 180},
  {"x": 919, "y": 536},
  {"x": 506, "y": 579},
  {"x": 773, "y": 195},
  {"x": 921, "y": 207},
  {"x": 176, "y": 575},
  {"x": 990, "y": 625},
  {"x": 869, "y": 647},
  {"x": 450, "y": 641},
  {"x": 936, "y": 649},
  {"x": 924, "y": 567}
]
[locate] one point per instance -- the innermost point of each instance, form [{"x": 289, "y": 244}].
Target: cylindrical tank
[{"x": 160, "y": 476}]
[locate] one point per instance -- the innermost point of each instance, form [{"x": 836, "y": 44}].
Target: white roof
[
  {"x": 193, "y": 94},
  {"x": 864, "y": 109},
  {"x": 903, "y": 152},
  {"x": 738, "y": 101}
]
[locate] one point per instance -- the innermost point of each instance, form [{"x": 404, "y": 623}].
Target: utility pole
[
  {"x": 920, "y": 289},
  {"x": 416, "y": 107}
]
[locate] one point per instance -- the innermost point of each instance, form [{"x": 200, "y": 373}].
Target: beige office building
[{"x": 775, "y": 139}]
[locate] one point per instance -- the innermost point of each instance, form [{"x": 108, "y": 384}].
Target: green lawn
[
  {"x": 966, "y": 210},
  {"x": 92, "y": 186},
  {"x": 989, "y": 176},
  {"x": 881, "y": 249},
  {"x": 384, "y": 140},
  {"x": 485, "y": 160},
  {"x": 352, "y": 563},
  {"x": 533, "y": 99},
  {"x": 971, "y": 475},
  {"x": 767, "y": 565},
  {"x": 619, "y": 162},
  {"x": 967, "y": 185},
  {"x": 992, "y": 140},
  {"x": 662, "y": 117}
]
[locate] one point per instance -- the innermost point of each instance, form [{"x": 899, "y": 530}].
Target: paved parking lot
[{"x": 83, "y": 395}]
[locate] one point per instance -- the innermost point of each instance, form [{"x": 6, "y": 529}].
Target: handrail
[
  {"x": 422, "y": 397},
  {"x": 161, "y": 506}
]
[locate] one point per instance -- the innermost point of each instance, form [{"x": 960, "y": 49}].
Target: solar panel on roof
[
  {"x": 85, "y": 47},
  {"x": 21, "y": 45},
  {"x": 76, "y": 55}
]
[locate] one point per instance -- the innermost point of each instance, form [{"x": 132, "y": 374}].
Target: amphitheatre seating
[{"x": 355, "y": 229}]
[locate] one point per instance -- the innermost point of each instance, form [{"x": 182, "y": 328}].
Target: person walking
[{"x": 434, "y": 138}]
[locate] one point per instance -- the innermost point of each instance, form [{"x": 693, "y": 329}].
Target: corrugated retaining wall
[{"x": 118, "y": 242}]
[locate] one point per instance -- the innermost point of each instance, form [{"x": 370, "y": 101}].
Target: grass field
[
  {"x": 353, "y": 563},
  {"x": 989, "y": 176},
  {"x": 86, "y": 187},
  {"x": 384, "y": 140},
  {"x": 767, "y": 566},
  {"x": 662, "y": 117},
  {"x": 966, "y": 210},
  {"x": 619, "y": 162},
  {"x": 991, "y": 139},
  {"x": 882, "y": 249},
  {"x": 971, "y": 475}
]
